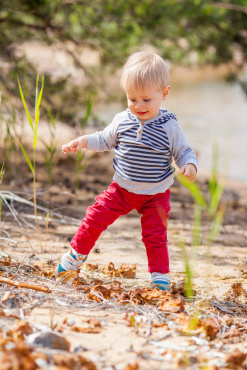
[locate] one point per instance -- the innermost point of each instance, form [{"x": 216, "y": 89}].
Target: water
[{"x": 207, "y": 111}]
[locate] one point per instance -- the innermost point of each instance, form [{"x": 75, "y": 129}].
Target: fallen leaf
[
  {"x": 126, "y": 271},
  {"x": 123, "y": 271},
  {"x": 73, "y": 362},
  {"x": 132, "y": 367},
  {"x": 176, "y": 305},
  {"x": 233, "y": 332},
  {"x": 211, "y": 327},
  {"x": 100, "y": 290},
  {"x": 19, "y": 357},
  {"x": 235, "y": 359},
  {"x": 235, "y": 291},
  {"x": 91, "y": 267},
  {"x": 109, "y": 270},
  {"x": 67, "y": 277}
]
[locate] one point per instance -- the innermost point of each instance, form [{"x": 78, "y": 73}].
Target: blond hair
[{"x": 144, "y": 69}]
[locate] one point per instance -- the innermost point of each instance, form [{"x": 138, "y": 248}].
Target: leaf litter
[
  {"x": 200, "y": 333},
  {"x": 205, "y": 323}
]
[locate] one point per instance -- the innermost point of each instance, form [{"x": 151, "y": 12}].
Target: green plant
[
  {"x": 212, "y": 206},
  {"x": 34, "y": 127},
  {"x": 81, "y": 163},
  {"x": 49, "y": 154}
]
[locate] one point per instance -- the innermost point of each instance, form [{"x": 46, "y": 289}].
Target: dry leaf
[
  {"x": 102, "y": 290},
  {"x": 233, "y": 332},
  {"x": 235, "y": 359},
  {"x": 126, "y": 271},
  {"x": 123, "y": 271},
  {"x": 210, "y": 327},
  {"x": 20, "y": 328},
  {"x": 73, "y": 362},
  {"x": 89, "y": 330},
  {"x": 67, "y": 277},
  {"x": 176, "y": 305},
  {"x": 132, "y": 367},
  {"x": 109, "y": 270},
  {"x": 236, "y": 291},
  {"x": 19, "y": 358},
  {"x": 91, "y": 267}
]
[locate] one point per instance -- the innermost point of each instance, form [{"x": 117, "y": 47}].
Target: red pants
[{"x": 116, "y": 201}]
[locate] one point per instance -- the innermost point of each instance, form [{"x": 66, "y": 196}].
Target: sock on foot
[
  {"x": 71, "y": 260},
  {"x": 161, "y": 281}
]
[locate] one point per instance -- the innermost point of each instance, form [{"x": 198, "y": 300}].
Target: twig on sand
[{"x": 22, "y": 284}]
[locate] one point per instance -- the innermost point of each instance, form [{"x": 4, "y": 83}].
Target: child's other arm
[
  {"x": 75, "y": 145},
  {"x": 183, "y": 154}
]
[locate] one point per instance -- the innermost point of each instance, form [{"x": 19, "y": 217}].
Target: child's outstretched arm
[
  {"x": 189, "y": 171},
  {"x": 75, "y": 145}
]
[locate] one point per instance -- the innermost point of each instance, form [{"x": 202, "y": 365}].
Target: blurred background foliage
[{"x": 183, "y": 31}]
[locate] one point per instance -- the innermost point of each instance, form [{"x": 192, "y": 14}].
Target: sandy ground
[{"x": 121, "y": 341}]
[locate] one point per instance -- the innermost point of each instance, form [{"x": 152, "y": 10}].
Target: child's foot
[
  {"x": 71, "y": 260},
  {"x": 161, "y": 281}
]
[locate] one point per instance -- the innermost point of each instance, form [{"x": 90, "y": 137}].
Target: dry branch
[{"x": 22, "y": 284}]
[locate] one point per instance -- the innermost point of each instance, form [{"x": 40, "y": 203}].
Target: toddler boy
[{"x": 145, "y": 138}]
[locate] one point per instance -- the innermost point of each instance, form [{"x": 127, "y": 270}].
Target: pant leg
[
  {"x": 109, "y": 205},
  {"x": 154, "y": 231}
]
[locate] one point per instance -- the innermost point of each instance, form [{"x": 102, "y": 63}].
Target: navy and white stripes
[{"x": 142, "y": 151}]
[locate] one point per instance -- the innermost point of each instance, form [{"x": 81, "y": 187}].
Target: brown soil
[{"x": 119, "y": 343}]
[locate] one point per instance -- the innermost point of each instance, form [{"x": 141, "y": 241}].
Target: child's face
[{"x": 145, "y": 103}]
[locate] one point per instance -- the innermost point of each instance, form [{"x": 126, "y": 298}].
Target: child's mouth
[{"x": 141, "y": 113}]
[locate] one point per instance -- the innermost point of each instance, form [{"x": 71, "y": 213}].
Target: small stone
[
  {"x": 50, "y": 340},
  {"x": 10, "y": 300},
  {"x": 70, "y": 322}
]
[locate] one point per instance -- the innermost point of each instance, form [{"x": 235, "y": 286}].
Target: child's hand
[
  {"x": 189, "y": 172},
  {"x": 75, "y": 145}
]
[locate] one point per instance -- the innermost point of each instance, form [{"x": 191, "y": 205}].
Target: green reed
[
  {"x": 49, "y": 154},
  {"x": 212, "y": 207},
  {"x": 81, "y": 163},
  {"x": 34, "y": 126}
]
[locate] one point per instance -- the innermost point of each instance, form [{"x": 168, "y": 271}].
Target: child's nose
[{"x": 139, "y": 104}]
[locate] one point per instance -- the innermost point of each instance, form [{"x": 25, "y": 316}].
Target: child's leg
[
  {"x": 109, "y": 205},
  {"x": 154, "y": 231}
]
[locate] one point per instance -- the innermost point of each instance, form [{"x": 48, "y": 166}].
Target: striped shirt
[{"x": 144, "y": 150}]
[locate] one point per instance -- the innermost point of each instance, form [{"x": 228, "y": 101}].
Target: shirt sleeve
[
  {"x": 105, "y": 140},
  {"x": 180, "y": 149}
]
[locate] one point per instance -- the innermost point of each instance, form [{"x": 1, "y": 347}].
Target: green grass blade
[
  {"x": 89, "y": 109},
  {"x": 197, "y": 225},
  {"x": 51, "y": 117},
  {"x": 1, "y": 173},
  {"x": 193, "y": 189},
  {"x": 188, "y": 272},
  {"x": 217, "y": 223},
  {"x": 36, "y": 90},
  {"x": 38, "y": 98},
  {"x": 213, "y": 178},
  {"x": 25, "y": 106},
  {"x": 37, "y": 113},
  {"x": 26, "y": 156},
  {"x": 215, "y": 198}
]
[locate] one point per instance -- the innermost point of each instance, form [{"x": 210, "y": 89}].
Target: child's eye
[
  {"x": 146, "y": 100},
  {"x": 133, "y": 100}
]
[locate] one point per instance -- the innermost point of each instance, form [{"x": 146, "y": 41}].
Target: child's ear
[{"x": 166, "y": 92}]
